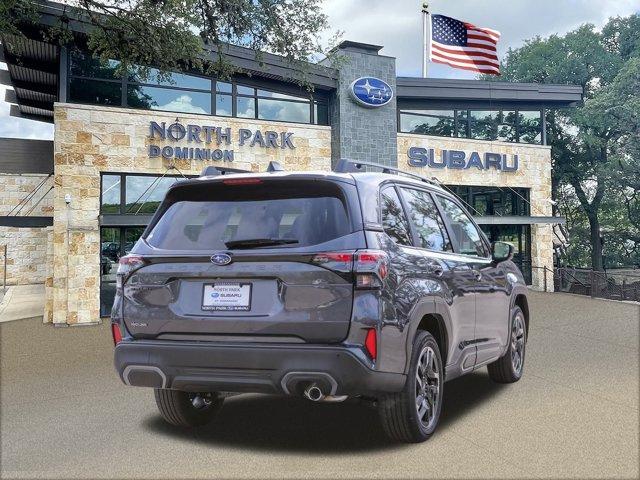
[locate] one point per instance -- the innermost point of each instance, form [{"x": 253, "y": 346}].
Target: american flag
[{"x": 463, "y": 45}]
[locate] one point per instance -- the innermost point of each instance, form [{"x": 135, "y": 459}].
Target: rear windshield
[{"x": 250, "y": 217}]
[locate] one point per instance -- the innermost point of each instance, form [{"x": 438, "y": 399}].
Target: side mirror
[{"x": 501, "y": 251}]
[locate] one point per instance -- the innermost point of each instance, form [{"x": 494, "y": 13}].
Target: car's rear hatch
[{"x": 242, "y": 261}]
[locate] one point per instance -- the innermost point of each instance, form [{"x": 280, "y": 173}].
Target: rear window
[{"x": 273, "y": 216}]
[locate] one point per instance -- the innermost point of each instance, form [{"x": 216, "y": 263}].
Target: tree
[
  {"x": 595, "y": 146},
  {"x": 172, "y": 35}
]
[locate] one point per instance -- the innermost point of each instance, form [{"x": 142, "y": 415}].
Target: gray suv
[{"x": 327, "y": 285}]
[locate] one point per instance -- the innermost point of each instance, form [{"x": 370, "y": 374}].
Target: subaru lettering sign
[{"x": 371, "y": 92}]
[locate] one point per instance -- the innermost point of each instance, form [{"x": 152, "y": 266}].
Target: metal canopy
[
  {"x": 19, "y": 155},
  {"x": 518, "y": 220},
  {"x": 467, "y": 93}
]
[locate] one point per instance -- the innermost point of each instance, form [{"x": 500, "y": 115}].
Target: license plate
[{"x": 227, "y": 296}]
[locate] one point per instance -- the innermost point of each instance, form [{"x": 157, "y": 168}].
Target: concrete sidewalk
[
  {"x": 65, "y": 414},
  {"x": 22, "y": 302}
]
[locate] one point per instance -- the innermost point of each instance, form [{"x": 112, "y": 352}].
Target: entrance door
[{"x": 114, "y": 243}]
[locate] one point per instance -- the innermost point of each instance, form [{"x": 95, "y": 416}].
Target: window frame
[
  {"x": 122, "y": 208},
  {"x": 414, "y": 231},
  {"x": 124, "y": 82},
  {"x": 452, "y": 235},
  {"x": 412, "y": 234},
  {"x": 462, "y": 128}
]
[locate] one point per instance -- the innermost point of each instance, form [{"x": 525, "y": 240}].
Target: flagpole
[{"x": 426, "y": 37}]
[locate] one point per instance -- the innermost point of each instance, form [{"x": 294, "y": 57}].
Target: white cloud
[
  {"x": 397, "y": 25},
  {"x": 184, "y": 103}
]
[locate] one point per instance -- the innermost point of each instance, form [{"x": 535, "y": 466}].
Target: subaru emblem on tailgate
[{"x": 221, "y": 258}]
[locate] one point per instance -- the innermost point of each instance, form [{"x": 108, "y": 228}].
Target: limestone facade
[
  {"x": 89, "y": 140},
  {"x": 26, "y": 247},
  {"x": 534, "y": 173}
]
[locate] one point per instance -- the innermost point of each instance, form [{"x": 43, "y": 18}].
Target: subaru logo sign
[
  {"x": 371, "y": 92},
  {"x": 221, "y": 258}
]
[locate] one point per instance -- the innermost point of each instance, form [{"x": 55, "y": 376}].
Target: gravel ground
[{"x": 65, "y": 414}]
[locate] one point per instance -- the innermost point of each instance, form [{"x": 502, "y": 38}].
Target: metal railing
[{"x": 614, "y": 285}]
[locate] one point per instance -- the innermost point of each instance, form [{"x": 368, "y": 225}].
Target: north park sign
[
  {"x": 457, "y": 159},
  {"x": 200, "y": 136}
]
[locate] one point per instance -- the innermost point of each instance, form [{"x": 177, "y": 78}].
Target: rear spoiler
[{"x": 213, "y": 171}]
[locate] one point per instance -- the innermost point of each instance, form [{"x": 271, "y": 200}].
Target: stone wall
[
  {"x": 361, "y": 133},
  {"x": 89, "y": 140},
  {"x": 26, "y": 247},
  {"x": 534, "y": 173}
]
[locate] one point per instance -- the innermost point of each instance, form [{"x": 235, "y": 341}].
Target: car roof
[{"x": 369, "y": 179}]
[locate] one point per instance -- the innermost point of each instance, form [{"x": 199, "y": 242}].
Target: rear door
[
  {"x": 489, "y": 284},
  {"x": 455, "y": 286},
  {"x": 244, "y": 261}
]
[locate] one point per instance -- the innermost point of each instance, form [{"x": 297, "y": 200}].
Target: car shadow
[{"x": 287, "y": 424}]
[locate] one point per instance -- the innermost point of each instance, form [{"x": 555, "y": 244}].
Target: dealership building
[{"x": 69, "y": 208}]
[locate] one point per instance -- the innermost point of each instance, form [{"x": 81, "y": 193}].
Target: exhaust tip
[{"x": 313, "y": 393}]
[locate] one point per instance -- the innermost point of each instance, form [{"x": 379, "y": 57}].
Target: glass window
[
  {"x": 283, "y": 110},
  {"x": 321, "y": 113},
  {"x": 462, "y": 119},
  {"x": 83, "y": 64},
  {"x": 144, "y": 193},
  {"x": 242, "y": 90},
  {"x": 267, "y": 93},
  {"x": 152, "y": 75},
  {"x": 394, "y": 221},
  {"x": 131, "y": 236},
  {"x": 484, "y": 125},
  {"x": 213, "y": 225},
  {"x": 506, "y": 124},
  {"x": 223, "y": 105},
  {"x": 245, "y": 107},
  {"x": 529, "y": 127},
  {"x": 223, "y": 87},
  {"x": 428, "y": 122},
  {"x": 156, "y": 98},
  {"x": 466, "y": 237},
  {"x": 426, "y": 220},
  {"x": 110, "y": 201},
  {"x": 95, "y": 92}
]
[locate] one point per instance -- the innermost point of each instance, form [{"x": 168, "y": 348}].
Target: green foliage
[
  {"x": 595, "y": 147},
  {"x": 172, "y": 35}
]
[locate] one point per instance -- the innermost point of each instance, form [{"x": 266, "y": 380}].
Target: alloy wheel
[
  {"x": 517, "y": 343},
  {"x": 427, "y": 387}
]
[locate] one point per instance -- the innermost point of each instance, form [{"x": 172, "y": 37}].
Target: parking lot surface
[{"x": 64, "y": 413}]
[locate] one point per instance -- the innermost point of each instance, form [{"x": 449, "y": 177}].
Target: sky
[{"x": 397, "y": 25}]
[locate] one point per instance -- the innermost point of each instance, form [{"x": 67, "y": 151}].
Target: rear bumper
[{"x": 260, "y": 368}]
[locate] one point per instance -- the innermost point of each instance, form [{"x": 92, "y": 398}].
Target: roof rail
[
  {"x": 275, "y": 167},
  {"x": 351, "y": 166},
  {"x": 212, "y": 171}
]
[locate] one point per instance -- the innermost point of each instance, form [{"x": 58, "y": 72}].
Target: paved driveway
[{"x": 574, "y": 414}]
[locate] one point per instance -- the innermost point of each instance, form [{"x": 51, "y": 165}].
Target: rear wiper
[{"x": 259, "y": 242}]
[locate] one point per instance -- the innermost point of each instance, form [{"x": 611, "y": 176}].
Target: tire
[
  {"x": 399, "y": 412},
  {"x": 509, "y": 367},
  {"x": 187, "y": 409}
]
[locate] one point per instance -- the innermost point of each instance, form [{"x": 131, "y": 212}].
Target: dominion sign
[{"x": 457, "y": 159}]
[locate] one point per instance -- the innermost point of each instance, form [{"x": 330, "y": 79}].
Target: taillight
[
  {"x": 371, "y": 267},
  {"x": 242, "y": 181},
  {"x": 116, "y": 333},
  {"x": 127, "y": 265},
  {"x": 371, "y": 343},
  {"x": 337, "y": 261}
]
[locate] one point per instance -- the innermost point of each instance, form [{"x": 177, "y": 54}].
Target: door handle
[{"x": 477, "y": 275}]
